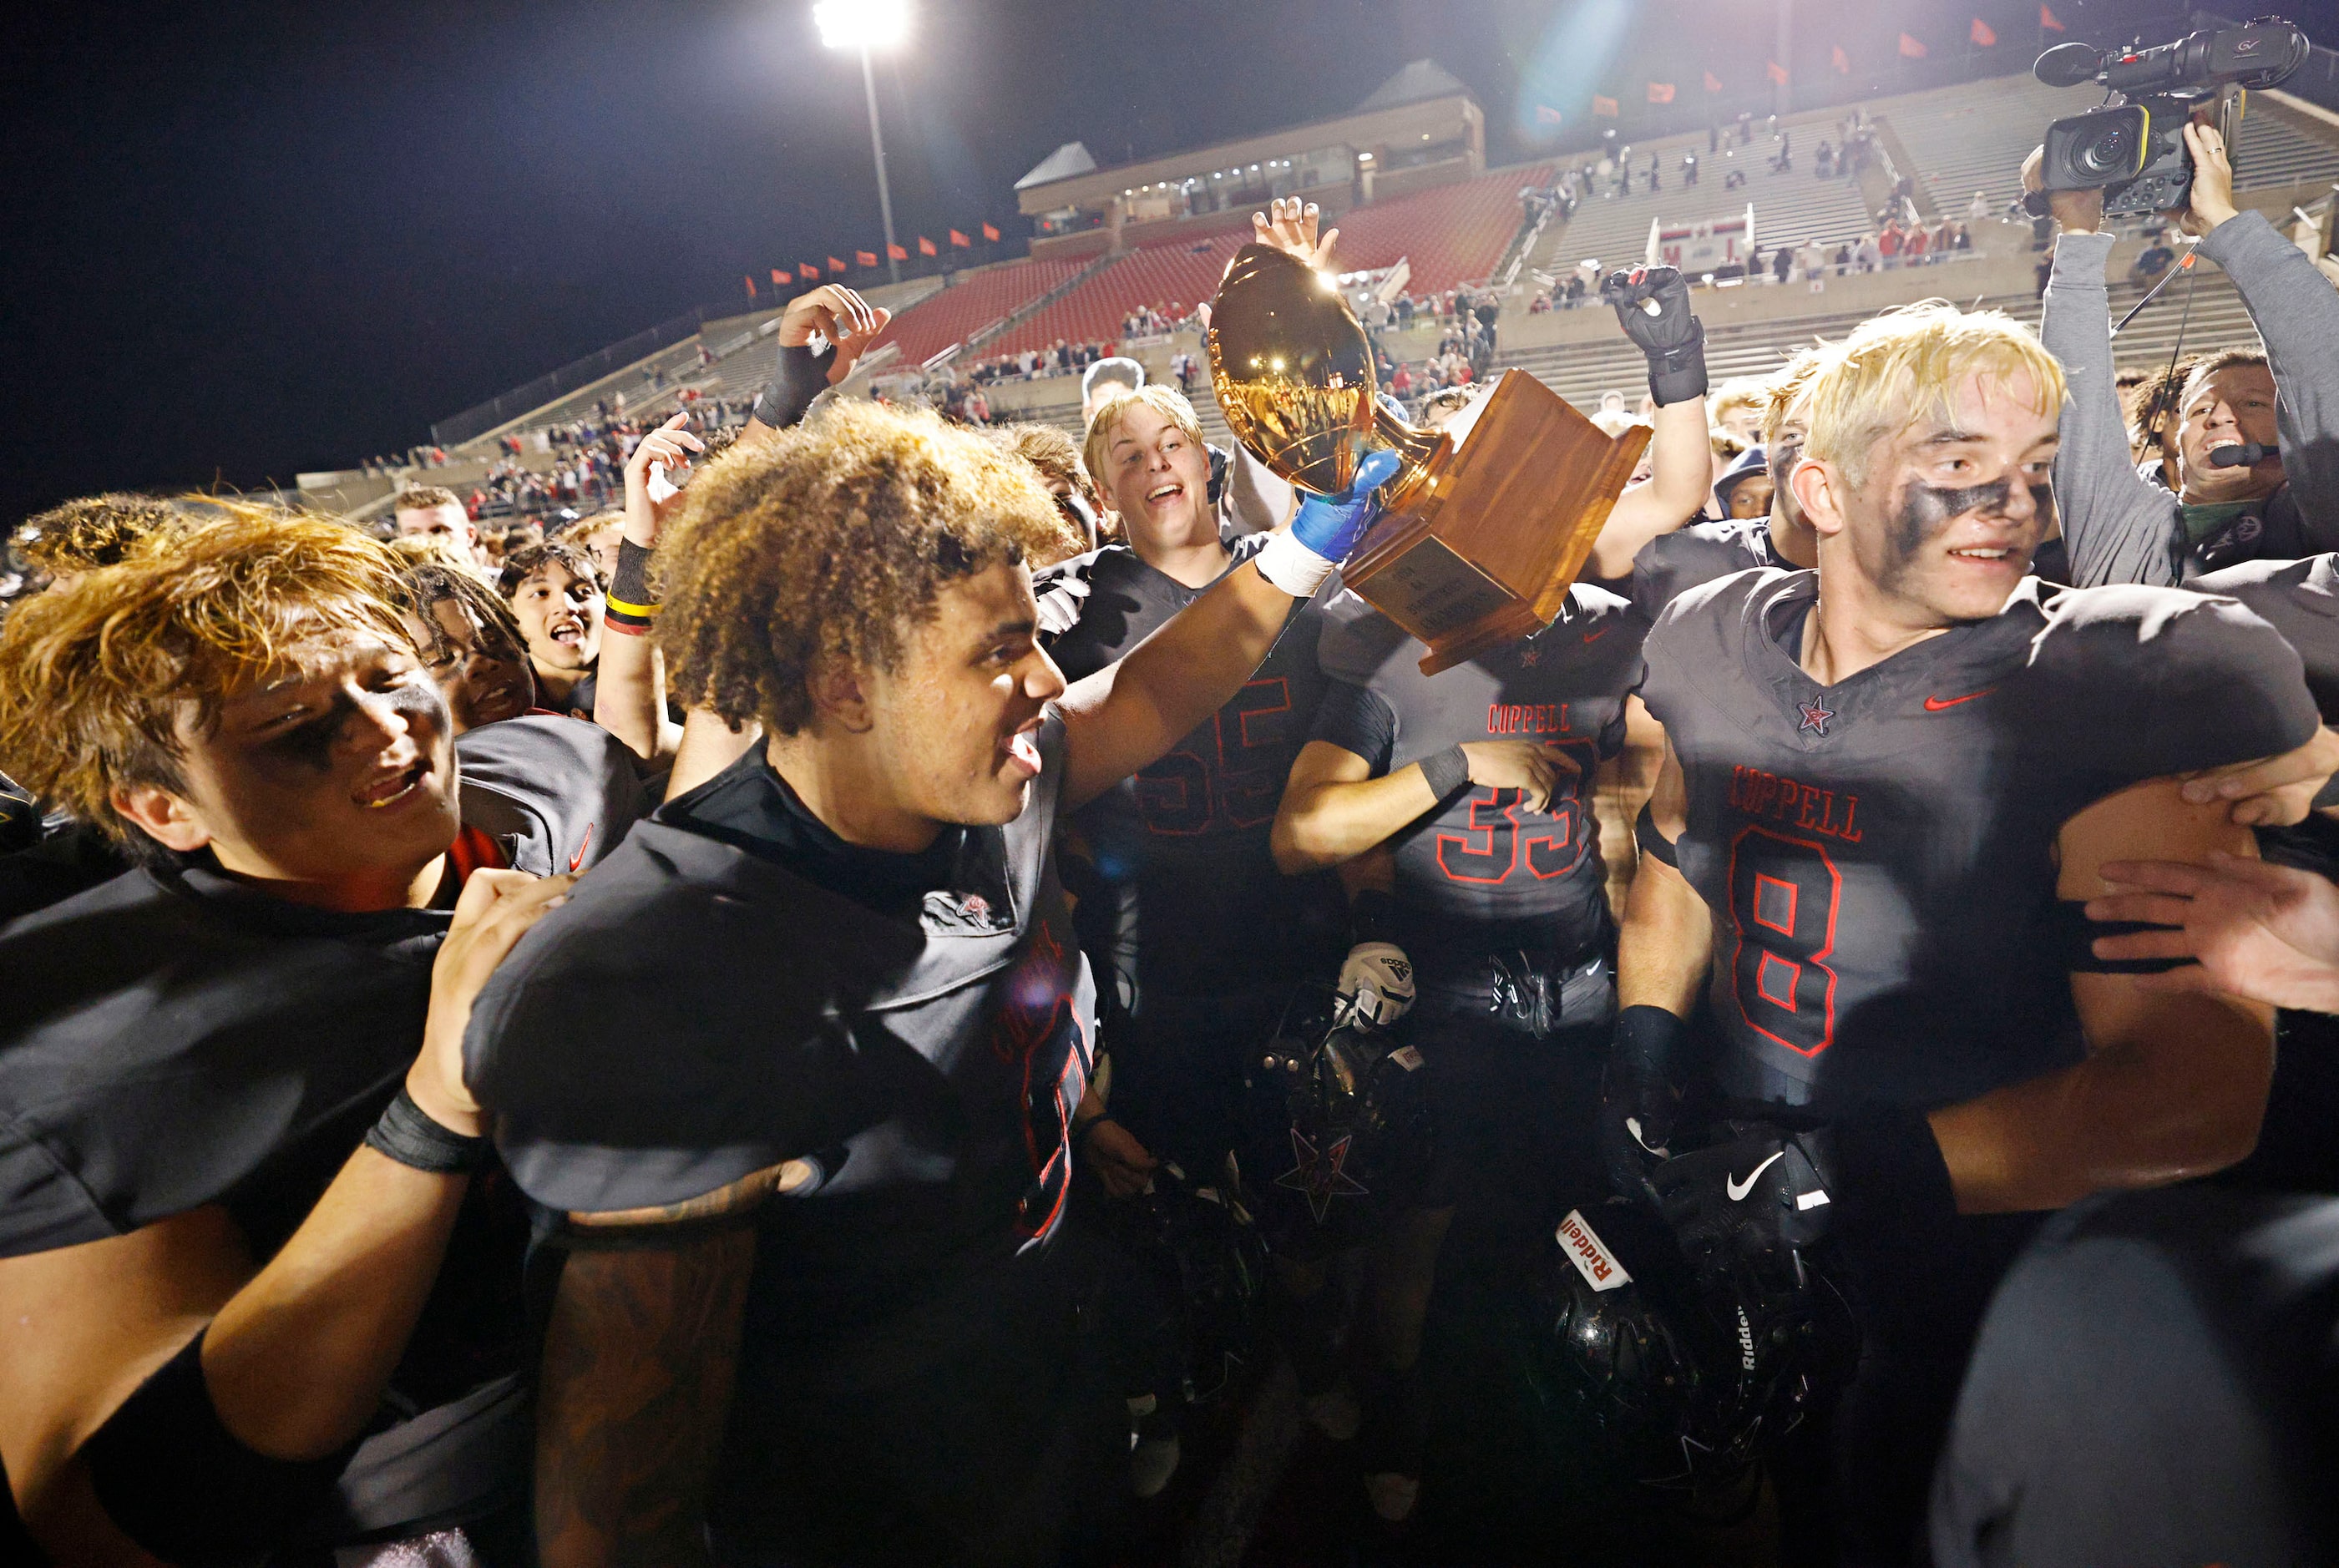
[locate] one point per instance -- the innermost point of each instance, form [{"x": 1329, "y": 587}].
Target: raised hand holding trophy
[{"x": 1487, "y": 523}]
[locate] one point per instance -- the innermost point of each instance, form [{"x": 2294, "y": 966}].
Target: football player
[
  {"x": 231, "y": 1336},
  {"x": 1883, "y": 780},
  {"x": 797, "y": 1072}
]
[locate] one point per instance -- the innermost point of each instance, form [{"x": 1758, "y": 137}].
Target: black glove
[
  {"x": 1672, "y": 337},
  {"x": 1761, "y": 1191},
  {"x": 1638, "y": 1101},
  {"x": 799, "y": 376}
]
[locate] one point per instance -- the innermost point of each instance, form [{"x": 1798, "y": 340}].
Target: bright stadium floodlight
[{"x": 864, "y": 26}]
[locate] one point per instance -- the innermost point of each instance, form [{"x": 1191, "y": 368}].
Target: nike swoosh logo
[
  {"x": 579, "y": 858},
  {"x": 1739, "y": 1189},
  {"x": 1595, "y": 636},
  {"x": 1935, "y": 704}
]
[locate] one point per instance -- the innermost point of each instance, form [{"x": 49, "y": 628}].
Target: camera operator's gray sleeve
[
  {"x": 2118, "y": 526},
  {"x": 2297, "y": 312}
]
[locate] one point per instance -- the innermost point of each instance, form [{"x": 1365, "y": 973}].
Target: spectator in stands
[
  {"x": 1843, "y": 259},
  {"x": 1913, "y": 246},
  {"x": 557, "y": 594},
  {"x": 1689, "y": 169},
  {"x": 1811, "y": 260},
  {"x": 431, "y": 509},
  {"x": 1782, "y": 261},
  {"x": 1868, "y": 254},
  {"x": 1823, "y": 161},
  {"x": 1978, "y": 209},
  {"x": 2276, "y": 495},
  {"x": 1891, "y": 241},
  {"x": 2153, "y": 260}
]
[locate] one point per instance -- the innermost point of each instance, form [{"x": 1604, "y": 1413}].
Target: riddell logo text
[
  {"x": 1592, "y": 1259},
  {"x": 1822, "y": 811},
  {"x": 1527, "y": 718}
]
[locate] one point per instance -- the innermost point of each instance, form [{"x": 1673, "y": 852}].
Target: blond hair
[
  {"x": 1167, "y": 401},
  {"x": 96, "y": 531},
  {"x": 1787, "y": 388},
  {"x": 424, "y": 498},
  {"x": 94, "y": 678},
  {"x": 1905, "y": 365},
  {"x": 1738, "y": 393}
]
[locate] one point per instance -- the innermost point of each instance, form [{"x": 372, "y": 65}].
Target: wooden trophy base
[{"x": 1482, "y": 550}]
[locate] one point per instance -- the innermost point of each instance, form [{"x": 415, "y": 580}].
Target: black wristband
[
  {"x": 406, "y": 1133},
  {"x": 1447, "y": 771},
  {"x": 1894, "y": 1186},
  {"x": 1372, "y": 917},
  {"x": 1648, "y": 1041},
  {"x": 1653, "y": 844},
  {"x": 172, "y": 1477},
  {"x": 798, "y": 376},
  {"x": 1678, "y": 374},
  {"x": 631, "y": 580}
]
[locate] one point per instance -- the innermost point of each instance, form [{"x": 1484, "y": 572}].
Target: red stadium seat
[{"x": 937, "y": 321}]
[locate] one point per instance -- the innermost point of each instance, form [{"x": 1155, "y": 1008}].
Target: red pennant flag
[
  {"x": 866, "y": 258},
  {"x": 1842, "y": 61},
  {"x": 1661, "y": 91},
  {"x": 1777, "y": 72},
  {"x": 896, "y": 252},
  {"x": 991, "y": 233},
  {"x": 779, "y": 277},
  {"x": 926, "y": 247},
  {"x": 750, "y": 278},
  {"x": 834, "y": 265},
  {"x": 1911, "y": 48},
  {"x": 2047, "y": 20},
  {"x": 960, "y": 240},
  {"x": 807, "y": 271},
  {"x": 1981, "y": 34},
  {"x": 1712, "y": 83},
  {"x": 1547, "y": 116},
  {"x": 1605, "y": 106}
]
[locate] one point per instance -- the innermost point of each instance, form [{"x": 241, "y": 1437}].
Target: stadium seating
[
  {"x": 1789, "y": 208},
  {"x": 1447, "y": 235},
  {"x": 976, "y": 301}
]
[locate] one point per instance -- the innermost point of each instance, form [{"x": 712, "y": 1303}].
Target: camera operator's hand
[
  {"x": 1652, "y": 305},
  {"x": 2076, "y": 212},
  {"x": 2212, "y": 181}
]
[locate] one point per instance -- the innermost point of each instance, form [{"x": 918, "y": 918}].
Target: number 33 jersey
[
  {"x": 1879, "y": 856},
  {"x": 1484, "y": 855}
]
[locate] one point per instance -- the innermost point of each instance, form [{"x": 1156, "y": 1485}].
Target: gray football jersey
[
  {"x": 1672, "y": 564},
  {"x": 1484, "y": 855},
  {"x": 1878, "y": 854}
]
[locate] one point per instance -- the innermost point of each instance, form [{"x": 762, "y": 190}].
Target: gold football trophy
[{"x": 1486, "y": 523}]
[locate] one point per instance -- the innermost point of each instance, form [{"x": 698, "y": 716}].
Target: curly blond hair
[
  {"x": 94, "y": 531},
  {"x": 94, "y": 678},
  {"x": 826, "y": 544}
]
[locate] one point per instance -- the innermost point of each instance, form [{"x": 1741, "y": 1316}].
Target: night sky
[{"x": 253, "y": 239}]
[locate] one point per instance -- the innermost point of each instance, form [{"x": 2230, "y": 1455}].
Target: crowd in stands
[{"x": 826, "y": 1007}]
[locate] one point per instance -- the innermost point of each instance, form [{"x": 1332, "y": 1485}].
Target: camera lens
[{"x": 2110, "y": 153}]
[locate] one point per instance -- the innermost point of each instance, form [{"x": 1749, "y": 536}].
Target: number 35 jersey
[{"x": 1879, "y": 856}]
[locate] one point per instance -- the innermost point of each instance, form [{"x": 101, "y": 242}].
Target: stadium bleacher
[
  {"x": 974, "y": 302},
  {"x": 1789, "y": 208}
]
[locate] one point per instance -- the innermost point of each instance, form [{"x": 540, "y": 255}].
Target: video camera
[{"x": 2135, "y": 152}]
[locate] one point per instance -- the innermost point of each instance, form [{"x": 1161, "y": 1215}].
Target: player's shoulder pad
[
  {"x": 1672, "y": 563},
  {"x": 557, "y": 792},
  {"x": 2209, "y": 681},
  {"x": 1359, "y": 641}
]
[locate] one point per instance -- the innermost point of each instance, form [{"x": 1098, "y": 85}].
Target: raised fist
[{"x": 1653, "y": 304}]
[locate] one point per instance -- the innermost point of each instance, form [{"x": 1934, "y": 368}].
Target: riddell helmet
[
  {"x": 1342, "y": 1134},
  {"x": 1684, "y": 1381}
]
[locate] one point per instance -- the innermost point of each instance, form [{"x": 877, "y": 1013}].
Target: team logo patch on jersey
[
  {"x": 1816, "y": 718},
  {"x": 1590, "y": 1254},
  {"x": 1320, "y": 1174}
]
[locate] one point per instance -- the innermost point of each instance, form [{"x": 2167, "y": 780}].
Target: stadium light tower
[{"x": 867, "y": 25}]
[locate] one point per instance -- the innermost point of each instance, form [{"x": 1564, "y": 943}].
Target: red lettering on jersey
[
  {"x": 1527, "y": 718},
  {"x": 1759, "y": 793}
]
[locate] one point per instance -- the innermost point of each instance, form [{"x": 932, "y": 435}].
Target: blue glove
[{"x": 1330, "y": 525}]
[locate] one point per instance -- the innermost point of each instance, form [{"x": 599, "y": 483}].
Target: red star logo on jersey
[
  {"x": 1320, "y": 1175},
  {"x": 1528, "y": 657},
  {"x": 1816, "y": 715}
]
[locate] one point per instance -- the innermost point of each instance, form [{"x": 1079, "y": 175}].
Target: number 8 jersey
[{"x": 1879, "y": 856}]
